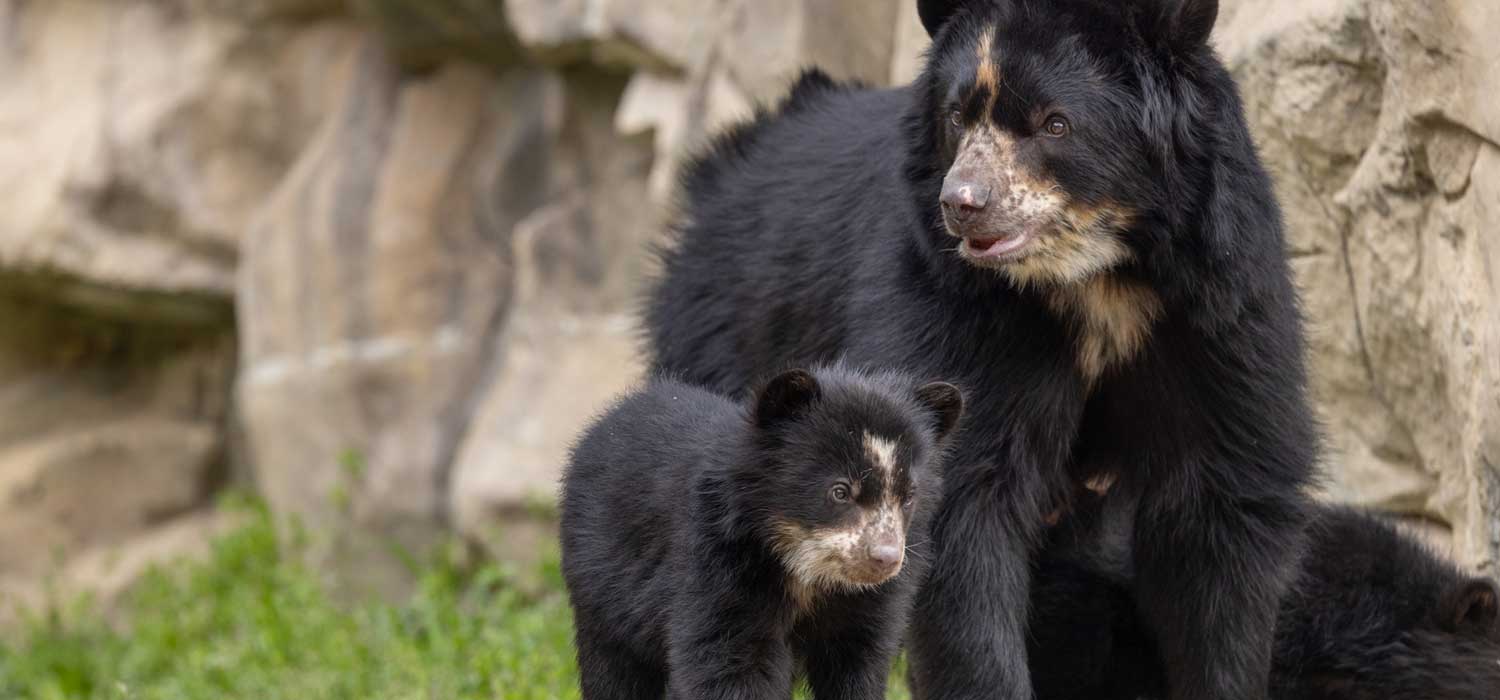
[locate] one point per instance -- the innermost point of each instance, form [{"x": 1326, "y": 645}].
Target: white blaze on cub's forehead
[{"x": 882, "y": 454}]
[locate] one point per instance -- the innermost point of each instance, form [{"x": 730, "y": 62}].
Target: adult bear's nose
[{"x": 962, "y": 197}]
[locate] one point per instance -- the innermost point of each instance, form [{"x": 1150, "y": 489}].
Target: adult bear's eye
[
  {"x": 839, "y": 493},
  {"x": 956, "y": 118},
  {"x": 1057, "y": 126}
]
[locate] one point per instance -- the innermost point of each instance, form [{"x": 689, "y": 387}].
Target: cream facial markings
[
  {"x": 987, "y": 75},
  {"x": 990, "y": 152},
  {"x": 882, "y": 454},
  {"x": 821, "y": 558},
  {"x": 838, "y": 558},
  {"x": 1082, "y": 242}
]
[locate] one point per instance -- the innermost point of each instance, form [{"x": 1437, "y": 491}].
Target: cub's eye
[
  {"x": 956, "y": 118},
  {"x": 840, "y": 493},
  {"x": 1057, "y": 126}
]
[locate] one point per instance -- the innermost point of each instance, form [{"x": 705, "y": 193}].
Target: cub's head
[
  {"x": 1388, "y": 618},
  {"x": 846, "y": 463},
  {"x": 1450, "y": 653},
  {"x": 1055, "y": 135}
]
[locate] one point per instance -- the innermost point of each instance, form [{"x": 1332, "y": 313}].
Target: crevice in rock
[
  {"x": 1303, "y": 253},
  {"x": 1366, "y": 360},
  {"x": 156, "y": 320},
  {"x": 423, "y": 35},
  {"x": 125, "y": 208}
]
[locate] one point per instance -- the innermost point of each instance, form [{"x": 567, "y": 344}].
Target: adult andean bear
[{"x": 1064, "y": 215}]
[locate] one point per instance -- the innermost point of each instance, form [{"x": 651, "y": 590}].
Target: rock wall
[
  {"x": 378, "y": 258},
  {"x": 1380, "y": 122}
]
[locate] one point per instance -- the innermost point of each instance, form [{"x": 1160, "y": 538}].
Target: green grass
[{"x": 251, "y": 622}]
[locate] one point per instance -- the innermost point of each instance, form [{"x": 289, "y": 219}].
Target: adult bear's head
[{"x": 1053, "y": 140}]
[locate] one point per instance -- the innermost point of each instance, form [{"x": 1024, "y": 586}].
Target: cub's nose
[
  {"x": 885, "y": 556},
  {"x": 963, "y": 197}
]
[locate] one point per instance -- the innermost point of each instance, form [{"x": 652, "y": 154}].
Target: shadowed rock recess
[{"x": 377, "y": 259}]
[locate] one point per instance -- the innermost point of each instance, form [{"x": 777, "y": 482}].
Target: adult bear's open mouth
[{"x": 999, "y": 248}]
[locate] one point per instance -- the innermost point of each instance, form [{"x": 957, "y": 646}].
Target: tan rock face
[
  {"x": 373, "y": 285},
  {"x": 132, "y": 138},
  {"x": 257, "y": 10},
  {"x": 138, "y": 142},
  {"x": 426, "y": 33},
  {"x": 376, "y": 298},
  {"x": 663, "y": 35},
  {"x": 910, "y": 43},
  {"x": 769, "y": 41},
  {"x": 569, "y": 343},
  {"x": 1378, "y": 124}
]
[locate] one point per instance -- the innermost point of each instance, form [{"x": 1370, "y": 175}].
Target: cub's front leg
[
  {"x": 851, "y": 642},
  {"x": 727, "y": 636}
]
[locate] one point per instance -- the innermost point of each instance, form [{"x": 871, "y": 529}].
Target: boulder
[{"x": 150, "y": 137}]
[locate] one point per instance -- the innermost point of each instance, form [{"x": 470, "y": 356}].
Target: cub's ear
[
  {"x": 1181, "y": 24},
  {"x": 785, "y": 396},
  {"x": 946, "y": 404},
  {"x": 1474, "y": 606},
  {"x": 936, "y": 13}
]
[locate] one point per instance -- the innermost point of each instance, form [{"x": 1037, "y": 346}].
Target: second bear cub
[{"x": 711, "y": 548}]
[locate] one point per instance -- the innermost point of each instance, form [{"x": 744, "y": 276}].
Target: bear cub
[
  {"x": 713, "y": 549},
  {"x": 1373, "y": 615}
]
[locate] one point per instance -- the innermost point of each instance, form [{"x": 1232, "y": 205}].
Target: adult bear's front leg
[
  {"x": 1211, "y": 569},
  {"x": 968, "y": 634}
]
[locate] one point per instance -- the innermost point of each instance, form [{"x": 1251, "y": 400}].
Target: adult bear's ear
[
  {"x": 1474, "y": 606},
  {"x": 1180, "y": 25},
  {"x": 936, "y": 13},
  {"x": 945, "y": 403},
  {"x": 785, "y": 396}
]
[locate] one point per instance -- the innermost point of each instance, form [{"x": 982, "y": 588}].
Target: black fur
[
  {"x": 1373, "y": 615},
  {"x": 670, "y": 510},
  {"x": 814, "y": 233}
]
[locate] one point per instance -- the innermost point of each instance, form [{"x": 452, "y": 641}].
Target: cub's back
[
  {"x": 637, "y": 459},
  {"x": 626, "y": 492}
]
